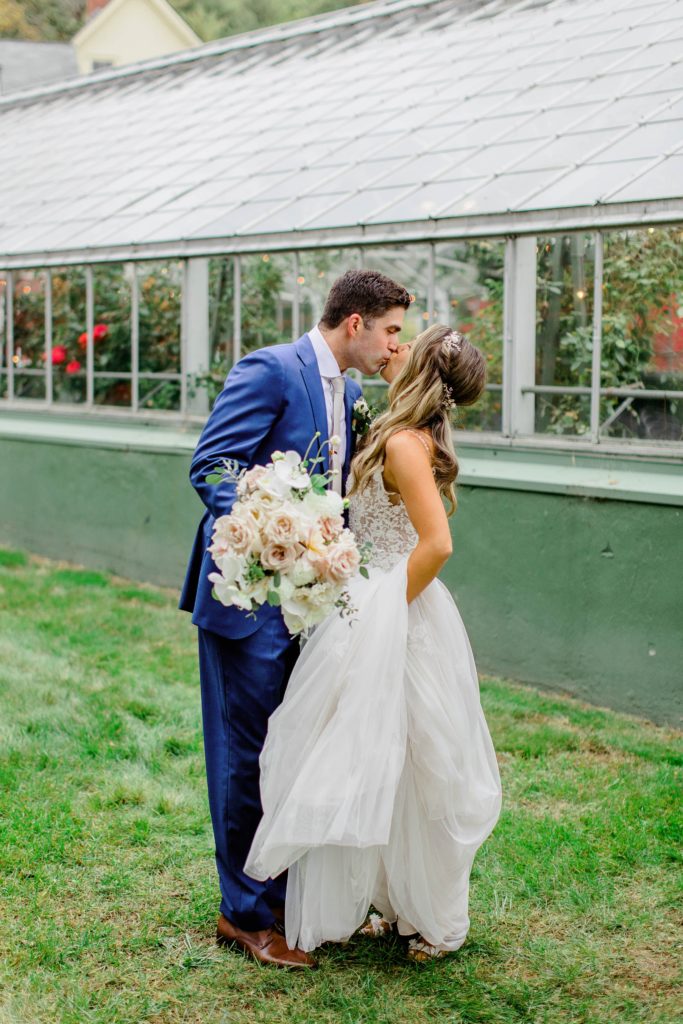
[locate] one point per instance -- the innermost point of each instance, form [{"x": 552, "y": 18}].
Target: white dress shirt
[{"x": 329, "y": 368}]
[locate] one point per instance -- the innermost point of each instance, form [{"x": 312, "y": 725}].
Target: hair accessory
[
  {"x": 452, "y": 342},
  {"x": 448, "y": 400}
]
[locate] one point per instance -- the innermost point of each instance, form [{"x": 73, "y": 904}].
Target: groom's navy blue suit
[{"x": 273, "y": 399}]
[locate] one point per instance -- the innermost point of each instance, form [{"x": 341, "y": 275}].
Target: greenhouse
[{"x": 518, "y": 166}]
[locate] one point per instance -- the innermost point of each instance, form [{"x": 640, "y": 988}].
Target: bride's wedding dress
[{"x": 379, "y": 780}]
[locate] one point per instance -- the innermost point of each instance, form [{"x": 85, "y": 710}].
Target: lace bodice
[{"x": 374, "y": 519}]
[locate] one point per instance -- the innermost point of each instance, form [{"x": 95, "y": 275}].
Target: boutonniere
[{"x": 362, "y": 417}]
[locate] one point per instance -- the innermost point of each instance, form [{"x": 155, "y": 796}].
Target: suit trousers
[{"x": 242, "y": 683}]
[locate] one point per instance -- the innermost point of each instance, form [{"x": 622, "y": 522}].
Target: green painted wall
[
  {"x": 575, "y": 592},
  {"x": 584, "y": 594},
  {"x": 129, "y": 511}
]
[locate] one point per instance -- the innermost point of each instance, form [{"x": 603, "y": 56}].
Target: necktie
[{"x": 338, "y": 385}]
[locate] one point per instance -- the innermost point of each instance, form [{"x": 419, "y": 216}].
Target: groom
[{"x": 274, "y": 399}]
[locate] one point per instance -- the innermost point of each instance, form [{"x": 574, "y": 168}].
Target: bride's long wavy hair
[{"x": 418, "y": 399}]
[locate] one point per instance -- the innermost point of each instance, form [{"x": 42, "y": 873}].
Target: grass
[{"x": 108, "y": 884}]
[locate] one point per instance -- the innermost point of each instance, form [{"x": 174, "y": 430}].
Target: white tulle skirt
[{"x": 379, "y": 780}]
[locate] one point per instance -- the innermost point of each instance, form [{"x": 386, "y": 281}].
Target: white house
[{"x": 124, "y": 31}]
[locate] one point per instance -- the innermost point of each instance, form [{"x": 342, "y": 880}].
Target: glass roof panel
[
  {"x": 660, "y": 182},
  {"x": 571, "y": 100}
]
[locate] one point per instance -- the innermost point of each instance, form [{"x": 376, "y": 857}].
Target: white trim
[{"x": 531, "y": 222}]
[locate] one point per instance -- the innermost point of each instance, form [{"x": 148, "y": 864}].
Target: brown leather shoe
[{"x": 267, "y": 946}]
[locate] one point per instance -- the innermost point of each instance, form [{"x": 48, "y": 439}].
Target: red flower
[
  {"x": 83, "y": 339},
  {"x": 73, "y": 367},
  {"x": 100, "y": 331},
  {"x": 58, "y": 355}
]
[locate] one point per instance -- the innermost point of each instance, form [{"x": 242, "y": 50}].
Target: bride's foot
[
  {"x": 376, "y": 927},
  {"x": 419, "y": 951}
]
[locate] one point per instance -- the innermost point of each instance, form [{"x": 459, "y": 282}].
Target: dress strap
[{"x": 418, "y": 433}]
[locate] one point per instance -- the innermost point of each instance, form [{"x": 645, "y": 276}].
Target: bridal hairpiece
[{"x": 452, "y": 342}]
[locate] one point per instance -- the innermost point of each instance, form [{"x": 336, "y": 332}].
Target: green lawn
[{"x": 108, "y": 883}]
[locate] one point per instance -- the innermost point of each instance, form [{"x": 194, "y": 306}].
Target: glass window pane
[
  {"x": 408, "y": 265},
  {"x": 112, "y": 391},
  {"x": 318, "y": 270},
  {"x": 68, "y": 325},
  {"x": 468, "y": 295},
  {"x": 642, "y": 331},
  {"x": 160, "y": 294},
  {"x": 267, "y": 299},
  {"x": 564, "y": 330},
  {"x": 159, "y": 394},
  {"x": 29, "y": 334},
  {"x": 3, "y": 335},
  {"x": 221, "y": 324},
  {"x": 112, "y": 285}
]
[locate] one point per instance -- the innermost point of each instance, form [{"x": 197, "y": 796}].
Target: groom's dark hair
[{"x": 366, "y": 292}]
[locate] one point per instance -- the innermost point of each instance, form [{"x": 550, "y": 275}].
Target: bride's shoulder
[{"x": 409, "y": 442}]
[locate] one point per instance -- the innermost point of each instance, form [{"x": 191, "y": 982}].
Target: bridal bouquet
[{"x": 284, "y": 542}]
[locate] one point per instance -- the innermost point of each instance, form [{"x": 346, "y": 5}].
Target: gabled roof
[
  {"x": 409, "y": 118},
  {"x": 163, "y": 9},
  {"x": 26, "y": 65}
]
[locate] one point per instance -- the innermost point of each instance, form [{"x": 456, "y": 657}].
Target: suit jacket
[{"x": 272, "y": 400}]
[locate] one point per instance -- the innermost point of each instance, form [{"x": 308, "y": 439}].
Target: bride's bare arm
[{"x": 408, "y": 470}]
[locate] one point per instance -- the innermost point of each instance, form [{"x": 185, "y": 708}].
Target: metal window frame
[
  {"x": 9, "y": 336},
  {"x": 518, "y": 342},
  {"x": 49, "y": 374}
]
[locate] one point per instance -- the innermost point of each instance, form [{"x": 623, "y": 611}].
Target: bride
[{"x": 379, "y": 780}]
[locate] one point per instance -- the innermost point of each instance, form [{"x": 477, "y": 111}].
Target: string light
[{"x": 581, "y": 294}]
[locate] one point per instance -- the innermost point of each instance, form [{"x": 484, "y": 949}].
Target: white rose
[
  {"x": 301, "y": 573},
  {"x": 328, "y": 504},
  {"x": 237, "y": 531},
  {"x": 306, "y": 607},
  {"x": 279, "y": 557},
  {"x": 338, "y": 562},
  {"x": 282, "y": 526}
]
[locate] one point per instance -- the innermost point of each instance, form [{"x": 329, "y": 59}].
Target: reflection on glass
[
  {"x": 564, "y": 329},
  {"x": 267, "y": 303},
  {"x": 68, "y": 325},
  {"x": 468, "y": 296},
  {"x": 642, "y": 331},
  {"x": 408, "y": 265},
  {"x": 29, "y": 334},
  {"x": 160, "y": 296},
  {"x": 160, "y": 394},
  {"x": 3, "y": 337},
  {"x": 110, "y": 391},
  {"x": 221, "y": 326},
  {"x": 221, "y": 310},
  {"x": 112, "y": 286},
  {"x": 318, "y": 270}
]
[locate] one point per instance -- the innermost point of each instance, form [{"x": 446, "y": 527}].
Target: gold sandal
[
  {"x": 376, "y": 927},
  {"x": 419, "y": 951}
]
